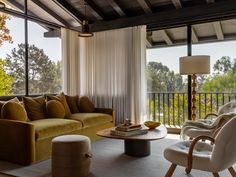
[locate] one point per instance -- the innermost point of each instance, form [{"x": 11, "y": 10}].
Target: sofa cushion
[
  {"x": 13, "y": 111},
  {"x": 85, "y": 105},
  {"x": 3, "y": 102},
  {"x": 35, "y": 107},
  {"x": 55, "y": 109},
  {"x": 91, "y": 119},
  {"x": 73, "y": 102},
  {"x": 63, "y": 101},
  {"x": 45, "y": 128}
]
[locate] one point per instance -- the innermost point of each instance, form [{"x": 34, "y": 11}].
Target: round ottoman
[{"x": 71, "y": 156}]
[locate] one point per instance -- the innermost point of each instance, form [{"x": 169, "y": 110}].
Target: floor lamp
[{"x": 192, "y": 65}]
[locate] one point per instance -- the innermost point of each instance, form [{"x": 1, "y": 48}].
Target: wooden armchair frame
[{"x": 190, "y": 158}]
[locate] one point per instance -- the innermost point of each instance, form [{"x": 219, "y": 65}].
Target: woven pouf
[{"x": 71, "y": 156}]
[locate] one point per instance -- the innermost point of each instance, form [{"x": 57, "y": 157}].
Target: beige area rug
[{"x": 110, "y": 161}]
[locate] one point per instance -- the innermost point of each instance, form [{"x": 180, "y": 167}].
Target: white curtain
[{"x": 111, "y": 70}]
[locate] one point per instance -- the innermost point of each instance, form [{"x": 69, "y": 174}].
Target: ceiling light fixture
[{"x": 85, "y": 26}]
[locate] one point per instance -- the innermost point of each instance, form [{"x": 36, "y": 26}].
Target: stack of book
[{"x": 129, "y": 130}]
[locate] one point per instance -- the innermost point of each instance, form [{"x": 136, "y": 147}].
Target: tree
[
  {"x": 223, "y": 65},
  {"x": 160, "y": 78},
  {"x": 44, "y": 74},
  {"x": 4, "y": 31},
  {"x": 6, "y": 81}
]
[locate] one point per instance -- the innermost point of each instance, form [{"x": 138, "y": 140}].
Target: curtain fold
[{"x": 110, "y": 69}]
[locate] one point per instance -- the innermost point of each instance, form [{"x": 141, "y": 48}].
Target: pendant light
[{"x": 85, "y": 26}]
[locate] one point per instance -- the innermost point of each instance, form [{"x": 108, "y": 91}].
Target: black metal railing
[{"x": 171, "y": 108}]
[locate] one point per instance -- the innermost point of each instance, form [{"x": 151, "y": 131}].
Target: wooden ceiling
[{"x": 158, "y": 15}]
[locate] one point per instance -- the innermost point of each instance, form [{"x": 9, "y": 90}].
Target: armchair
[
  {"x": 210, "y": 123},
  {"x": 214, "y": 157}
]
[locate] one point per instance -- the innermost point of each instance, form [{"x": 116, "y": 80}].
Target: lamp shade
[{"x": 198, "y": 64}]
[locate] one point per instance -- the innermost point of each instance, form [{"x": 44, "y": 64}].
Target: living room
[{"x": 87, "y": 67}]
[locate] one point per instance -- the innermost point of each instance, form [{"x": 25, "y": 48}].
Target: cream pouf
[{"x": 71, "y": 156}]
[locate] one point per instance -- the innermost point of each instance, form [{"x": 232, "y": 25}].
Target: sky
[
  {"x": 170, "y": 56},
  {"x": 51, "y": 46}
]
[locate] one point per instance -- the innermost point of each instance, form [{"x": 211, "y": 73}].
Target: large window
[
  {"x": 12, "y": 60},
  {"x": 167, "y": 98},
  {"x": 43, "y": 57}
]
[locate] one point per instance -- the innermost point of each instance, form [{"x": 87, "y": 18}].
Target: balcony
[{"x": 171, "y": 108}]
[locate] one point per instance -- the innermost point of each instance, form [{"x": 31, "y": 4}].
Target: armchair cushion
[
  {"x": 178, "y": 154},
  {"x": 3, "y": 102}
]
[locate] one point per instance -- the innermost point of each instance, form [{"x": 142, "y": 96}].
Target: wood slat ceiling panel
[
  {"x": 204, "y": 30},
  {"x": 177, "y": 33},
  {"x": 59, "y": 11},
  {"x": 229, "y": 26}
]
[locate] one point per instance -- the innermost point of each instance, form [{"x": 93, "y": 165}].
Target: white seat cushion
[{"x": 178, "y": 154}]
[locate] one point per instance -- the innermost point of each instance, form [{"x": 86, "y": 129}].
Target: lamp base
[{"x": 194, "y": 85}]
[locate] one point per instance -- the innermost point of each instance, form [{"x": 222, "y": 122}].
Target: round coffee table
[{"x": 138, "y": 145}]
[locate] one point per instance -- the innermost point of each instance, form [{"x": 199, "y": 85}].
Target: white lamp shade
[{"x": 197, "y": 64}]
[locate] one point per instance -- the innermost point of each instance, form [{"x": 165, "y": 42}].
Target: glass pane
[
  {"x": 216, "y": 39},
  {"x": 167, "y": 89},
  {"x": 12, "y": 55},
  {"x": 44, "y": 60}
]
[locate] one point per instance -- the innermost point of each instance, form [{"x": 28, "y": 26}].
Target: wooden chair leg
[
  {"x": 216, "y": 175},
  {"x": 232, "y": 171},
  {"x": 171, "y": 170}
]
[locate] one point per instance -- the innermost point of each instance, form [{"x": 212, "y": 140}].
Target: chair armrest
[
  {"x": 191, "y": 148},
  {"x": 17, "y": 141},
  {"x": 109, "y": 111},
  {"x": 210, "y": 114}
]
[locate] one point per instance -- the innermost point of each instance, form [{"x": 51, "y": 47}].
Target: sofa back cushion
[
  {"x": 35, "y": 107},
  {"x": 55, "y": 109},
  {"x": 61, "y": 98},
  {"x": 14, "y": 111},
  {"x": 73, "y": 103},
  {"x": 3, "y": 102},
  {"x": 85, "y": 105}
]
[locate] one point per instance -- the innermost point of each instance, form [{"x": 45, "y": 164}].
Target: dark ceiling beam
[
  {"x": 70, "y": 10},
  {"x": 97, "y": 10},
  {"x": 210, "y": 1},
  {"x": 177, "y": 4},
  {"x": 50, "y": 12},
  {"x": 116, "y": 7},
  {"x": 159, "y": 20},
  {"x": 145, "y": 6}
]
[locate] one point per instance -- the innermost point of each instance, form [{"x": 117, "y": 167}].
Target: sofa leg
[
  {"x": 232, "y": 171},
  {"x": 171, "y": 170},
  {"x": 216, "y": 175},
  {"x": 187, "y": 170}
]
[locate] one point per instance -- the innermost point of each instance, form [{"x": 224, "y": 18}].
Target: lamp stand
[{"x": 194, "y": 85}]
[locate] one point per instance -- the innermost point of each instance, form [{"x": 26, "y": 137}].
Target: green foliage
[
  {"x": 44, "y": 74},
  {"x": 5, "y": 80},
  {"x": 160, "y": 78}
]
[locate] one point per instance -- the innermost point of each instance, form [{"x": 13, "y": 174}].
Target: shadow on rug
[{"x": 110, "y": 161}]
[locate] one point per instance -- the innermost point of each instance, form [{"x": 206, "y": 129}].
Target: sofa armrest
[
  {"x": 17, "y": 141},
  {"x": 109, "y": 111}
]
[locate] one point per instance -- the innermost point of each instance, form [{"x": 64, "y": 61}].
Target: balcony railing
[{"x": 171, "y": 108}]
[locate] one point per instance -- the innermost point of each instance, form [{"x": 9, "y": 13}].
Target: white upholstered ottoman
[{"x": 71, "y": 156}]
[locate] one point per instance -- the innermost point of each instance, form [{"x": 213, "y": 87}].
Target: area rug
[{"x": 110, "y": 161}]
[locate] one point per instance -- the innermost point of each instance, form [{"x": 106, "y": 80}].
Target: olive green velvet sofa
[{"x": 30, "y": 141}]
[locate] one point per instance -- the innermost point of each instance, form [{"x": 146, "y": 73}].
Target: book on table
[
  {"x": 129, "y": 133},
  {"x": 127, "y": 128}
]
